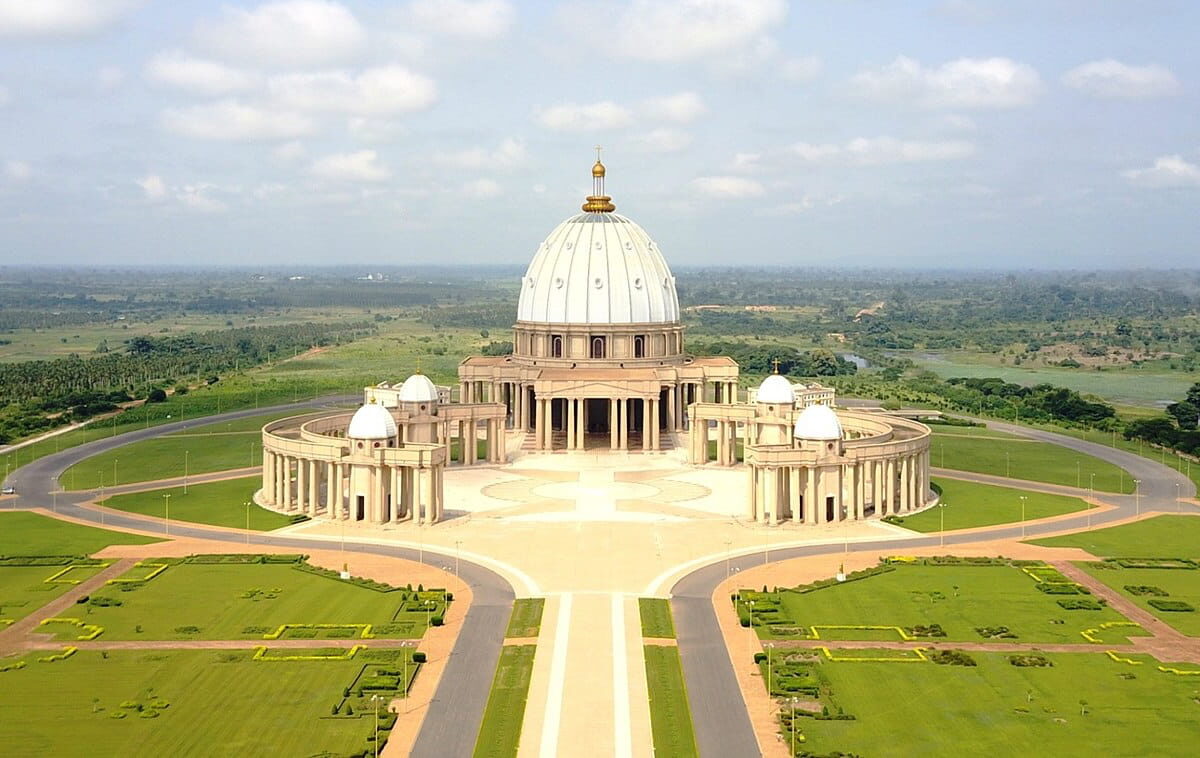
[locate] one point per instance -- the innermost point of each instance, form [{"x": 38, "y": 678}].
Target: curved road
[
  {"x": 719, "y": 713},
  {"x": 451, "y": 727}
]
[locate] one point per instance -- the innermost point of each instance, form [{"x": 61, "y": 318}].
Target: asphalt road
[
  {"x": 719, "y": 713},
  {"x": 452, "y": 723}
]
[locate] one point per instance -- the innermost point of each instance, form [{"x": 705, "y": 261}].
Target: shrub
[
  {"x": 760, "y": 657},
  {"x": 100, "y": 601},
  {"x": 1081, "y": 604},
  {"x": 187, "y": 629},
  {"x": 930, "y": 630},
  {"x": 82, "y": 599},
  {"x": 418, "y": 656},
  {"x": 1174, "y": 606},
  {"x": 1063, "y": 588},
  {"x": 1145, "y": 589},
  {"x": 436, "y": 620},
  {"x": 995, "y": 632},
  {"x": 951, "y": 658},
  {"x": 1030, "y": 660}
]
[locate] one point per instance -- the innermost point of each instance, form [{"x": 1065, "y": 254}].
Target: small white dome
[
  {"x": 418, "y": 389},
  {"x": 776, "y": 389},
  {"x": 372, "y": 422},
  {"x": 818, "y": 422},
  {"x": 598, "y": 268}
]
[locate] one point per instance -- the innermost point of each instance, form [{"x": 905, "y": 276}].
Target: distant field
[
  {"x": 1167, "y": 535},
  {"x": 970, "y": 504},
  {"x": 1033, "y": 461},
  {"x": 23, "y": 533},
  {"x": 220, "y": 503},
  {"x": 1129, "y": 386}
]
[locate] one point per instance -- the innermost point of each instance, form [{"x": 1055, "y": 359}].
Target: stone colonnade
[
  {"x": 829, "y": 491},
  {"x": 348, "y": 490}
]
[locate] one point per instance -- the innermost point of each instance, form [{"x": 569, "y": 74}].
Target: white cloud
[
  {"x": 681, "y": 108},
  {"x": 60, "y": 18},
  {"x": 955, "y": 122},
  {"x": 361, "y": 166},
  {"x": 290, "y": 151},
  {"x": 479, "y": 20},
  {"x": 153, "y": 187},
  {"x": 509, "y": 153},
  {"x": 374, "y": 91},
  {"x": 1167, "y": 171},
  {"x": 1110, "y": 78},
  {"x": 962, "y": 83},
  {"x": 294, "y": 32},
  {"x": 229, "y": 120},
  {"x": 874, "y": 151},
  {"x": 17, "y": 170},
  {"x": 732, "y": 187},
  {"x": 195, "y": 197},
  {"x": 374, "y": 130},
  {"x": 108, "y": 78},
  {"x": 481, "y": 188},
  {"x": 801, "y": 69},
  {"x": 5, "y": 97},
  {"x": 177, "y": 69},
  {"x": 803, "y": 205},
  {"x": 599, "y": 116},
  {"x": 683, "y": 30},
  {"x": 662, "y": 141},
  {"x": 746, "y": 162}
]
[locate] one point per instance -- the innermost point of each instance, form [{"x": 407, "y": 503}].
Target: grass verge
[
  {"x": 970, "y": 504},
  {"x": 526, "y": 617},
  {"x": 670, "y": 715},
  {"x": 220, "y": 503},
  {"x": 656, "y": 617},
  {"x": 500, "y": 732}
]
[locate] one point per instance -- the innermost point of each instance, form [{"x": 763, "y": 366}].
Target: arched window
[
  {"x": 639, "y": 346},
  {"x": 597, "y": 347},
  {"x": 556, "y": 346}
]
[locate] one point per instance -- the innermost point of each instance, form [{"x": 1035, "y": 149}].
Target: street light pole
[
  {"x": 728, "y": 545},
  {"x": 185, "y": 469},
  {"x": 1023, "y": 499},
  {"x": 375, "y": 701},
  {"x": 167, "y": 510},
  {"x": 1006, "y": 466},
  {"x": 941, "y": 525},
  {"x": 770, "y": 646},
  {"x": 1137, "y": 496},
  {"x": 247, "y": 504},
  {"x": 457, "y": 548}
]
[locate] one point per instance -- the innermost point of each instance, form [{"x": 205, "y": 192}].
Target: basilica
[{"x": 599, "y": 366}]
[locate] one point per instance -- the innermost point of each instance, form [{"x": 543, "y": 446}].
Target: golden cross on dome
[
  {"x": 418, "y": 364},
  {"x": 775, "y": 364},
  {"x": 598, "y": 149}
]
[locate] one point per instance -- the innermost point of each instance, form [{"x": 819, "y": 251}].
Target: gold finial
[
  {"x": 418, "y": 364},
  {"x": 775, "y": 365},
  {"x": 371, "y": 399},
  {"x": 598, "y": 202}
]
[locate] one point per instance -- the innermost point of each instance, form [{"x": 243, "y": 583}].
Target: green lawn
[
  {"x": 23, "y": 533},
  {"x": 996, "y": 708},
  {"x": 670, "y": 715},
  {"x": 969, "y": 504},
  {"x": 1033, "y": 461},
  {"x": 230, "y": 601},
  {"x": 219, "y": 503},
  {"x": 656, "y": 617},
  {"x": 970, "y": 431},
  {"x": 1137, "y": 447},
  {"x": 500, "y": 732},
  {"x": 738, "y": 449},
  {"x": 247, "y": 424},
  {"x": 1178, "y": 584},
  {"x": 526, "y": 617},
  {"x": 217, "y": 704},
  {"x": 1161, "y": 536},
  {"x": 24, "y": 589},
  {"x": 960, "y": 598},
  {"x": 163, "y": 458}
]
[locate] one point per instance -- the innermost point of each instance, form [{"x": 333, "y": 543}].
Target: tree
[
  {"x": 1185, "y": 413},
  {"x": 157, "y": 395}
]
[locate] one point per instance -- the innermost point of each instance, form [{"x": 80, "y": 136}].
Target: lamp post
[
  {"x": 167, "y": 512},
  {"x": 54, "y": 491},
  {"x": 770, "y": 646},
  {"x": 1023, "y": 499},
  {"x": 375, "y": 701},
  {"x": 115, "y": 471},
  {"x": 247, "y": 504},
  {"x": 1006, "y": 467},
  {"x": 1077, "y": 474},
  {"x": 457, "y": 548},
  {"x": 1137, "y": 496},
  {"x": 942, "y": 524},
  {"x": 185, "y": 468},
  {"x": 793, "y": 700},
  {"x": 1178, "y": 502},
  {"x": 728, "y": 545},
  {"x": 750, "y": 605}
]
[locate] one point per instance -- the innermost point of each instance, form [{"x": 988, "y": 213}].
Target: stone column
[
  {"x": 623, "y": 422},
  {"x": 614, "y": 436},
  {"x": 539, "y": 423},
  {"x": 472, "y": 441},
  {"x": 571, "y": 436},
  {"x": 794, "y": 493},
  {"x": 287, "y": 483},
  {"x": 752, "y": 495},
  {"x": 330, "y": 498},
  {"x": 266, "y": 479},
  {"x": 427, "y": 495},
  {"x": 314, "y": 491},
  {"x": 810, "y": 495},
  {"x": 772, "y": 495}
]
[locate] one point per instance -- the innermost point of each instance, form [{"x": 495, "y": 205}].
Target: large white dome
[
  {"x": 777, "y": 390},
  {"x": 598, "y": 268},
  {"x": 818, "y": 422},
  {"x": 418, "y": 389},
  {"x": 372, "y": 422}
]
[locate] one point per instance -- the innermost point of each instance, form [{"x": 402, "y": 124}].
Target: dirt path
[{"x": 12, "y": 637}]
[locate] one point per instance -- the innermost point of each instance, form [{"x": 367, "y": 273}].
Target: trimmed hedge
[
  {"x": 951, "y": 658},
  {"x": 1081, "y": 604},
  {"x": 1030, "y": 660},
  {"x": 1172, "y": 606},
  {"x": 1146, "y": 589}
]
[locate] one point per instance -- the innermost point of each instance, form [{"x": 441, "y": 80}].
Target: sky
[{"x": 824, "y": 133}]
